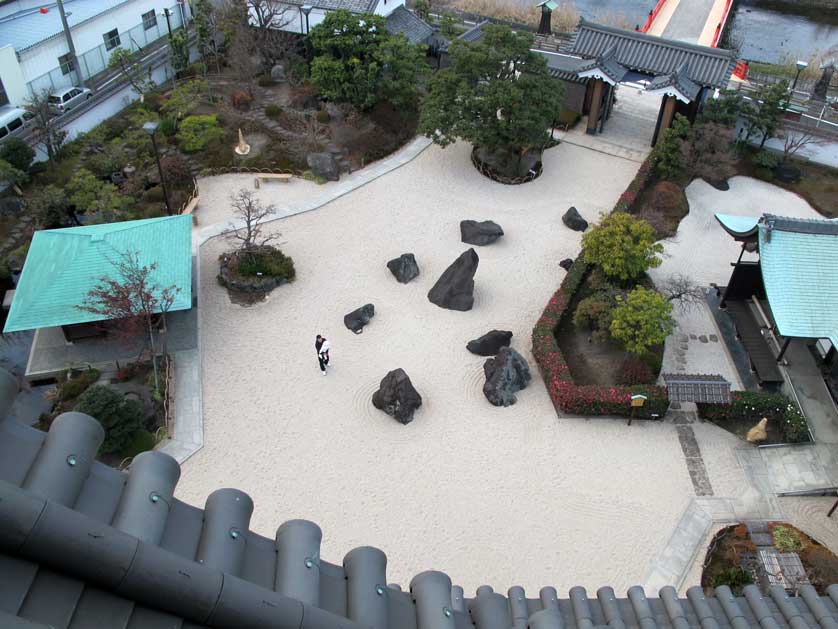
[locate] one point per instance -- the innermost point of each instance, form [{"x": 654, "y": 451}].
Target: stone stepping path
[{"x": 695, "y": 463}]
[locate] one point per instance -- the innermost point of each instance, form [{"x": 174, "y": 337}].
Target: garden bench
[{"x": 285, "y": 177}]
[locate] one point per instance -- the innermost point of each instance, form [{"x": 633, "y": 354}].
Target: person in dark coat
[{"x": 322, "y": 346}]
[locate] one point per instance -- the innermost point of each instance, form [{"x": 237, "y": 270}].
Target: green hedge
[
  {"x": 567, "y": 397},
  {"x": 753, "y": 406}
]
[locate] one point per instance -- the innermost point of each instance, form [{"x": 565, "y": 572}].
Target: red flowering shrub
[
  {"x": 582, "y": 400},
  {"x": 637, "y": 184}
]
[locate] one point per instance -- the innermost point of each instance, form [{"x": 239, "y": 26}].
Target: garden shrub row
[
  {"x": 641, "y": 179},
  {"x": 753, "y": 406},
  {"x": 588, "y": 400}
]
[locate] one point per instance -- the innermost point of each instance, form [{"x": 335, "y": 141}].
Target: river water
[{"x": 764, "y": 30}]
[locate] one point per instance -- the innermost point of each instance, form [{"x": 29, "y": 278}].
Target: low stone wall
[{"x": 233, "y": 281}]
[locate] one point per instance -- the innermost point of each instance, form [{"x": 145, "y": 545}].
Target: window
[
  {"x": 65, "y": 62},
  {"x": 111, "y": 39},
  {"x": 4, "y": 100},
  {"x": 17, "y": 123},
  {"x": 3, "y": 132},
  {"x": 149, "y": 20}
]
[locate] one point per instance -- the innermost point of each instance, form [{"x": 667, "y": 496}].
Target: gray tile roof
[
  {"x": 696, "y": 387},
  {"x": 709, "y": 67},
  {"x": 354, "y": 6},
  {"x": 410, "y": 25},
  {"x": 84, "y": 545},
  {"x": 475, "y": 33},
  {"x": 680, "y": 79},
  {"x": 29, "y": 27},
  {"x": 563, "y": 66},
  {"x": 607, "y": 64}
]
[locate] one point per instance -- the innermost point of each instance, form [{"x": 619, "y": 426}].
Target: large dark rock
[
  {"x": 566, "y": 264},
  {"x": 506, "y": 374},
  {"x": 455, "y": 287},
  {"x": 573, "y": 219},
  {"x": 490, "y": 343},
  {"x": 719, "y": 184},
  {"x": 357, "y": 319},
  {"x": 397, "y": 397},
  {"x": 404, "y": 268},
  {"x": 323, "y": 165},
  {"x": 482, "y": 233}
]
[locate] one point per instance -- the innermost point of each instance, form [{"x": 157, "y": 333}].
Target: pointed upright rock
[{"x": 454, "y": 289}]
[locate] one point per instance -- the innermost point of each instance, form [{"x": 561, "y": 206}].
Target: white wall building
[
  {"x": 34, "y": 50},
  {"x": 319, "y": 8}
]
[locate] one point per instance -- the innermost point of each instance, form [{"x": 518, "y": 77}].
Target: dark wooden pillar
[
  {"x": 596, "y": 107},
  {"x": 667, "y": 112},
  {"x": 589, "y": 90}
]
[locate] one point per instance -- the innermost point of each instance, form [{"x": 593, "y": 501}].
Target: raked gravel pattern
[{"x": 498, "y": 496}]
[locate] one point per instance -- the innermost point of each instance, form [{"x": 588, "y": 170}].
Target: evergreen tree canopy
[
  {"x": 497, "y": 94},
  {"x": 359, "y": 62}
]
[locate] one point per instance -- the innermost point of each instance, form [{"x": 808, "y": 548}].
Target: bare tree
[
  {"x": 240, "y": 53},
  {"x": 253, "y": 214},
  {"x": 682, "y": 291},
  {"x": 267, "y": 14},
  {"x": 45, "y": 129},
  {"x": 131, "y": 298},
  {"x": 794, "y": 140}
]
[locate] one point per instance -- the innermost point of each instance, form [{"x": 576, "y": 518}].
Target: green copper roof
[
  {"x": 738, "y": 225},
  {"x": 63, "y": 265},
  {"x": 799, "y": 261}
]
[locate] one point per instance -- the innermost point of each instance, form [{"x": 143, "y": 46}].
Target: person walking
[{"x": 322, "y": 346}]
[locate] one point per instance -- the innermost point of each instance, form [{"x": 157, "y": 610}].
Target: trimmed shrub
[
  {"x": 269, "y": 261},
  {"x": 753, "y": 406},
  {"x": 18, "y": 153},
  {"x": 273, "y": 111},
  {"x": 766, "y": 159},
  {"x": 140, "y": 441},
  {"x": 196, "y": 132},
  {"x": 734, "y": 577},
  {"x": 323, "y": 117},
  {"x": 154, "y": 195},
  {"x": 622, "y": 245},
  {"x": 786, "y": 540},
  {"x": 74, "y": 387},
  {"x": 168, "y": 127},
  {"x": 594, "y": 313},
  {"x": 120, "y": 417}
]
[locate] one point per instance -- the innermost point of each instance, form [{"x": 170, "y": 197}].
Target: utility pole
[
  {"x": 69, "y": 37},
  {"x": 167, "y": 14}
]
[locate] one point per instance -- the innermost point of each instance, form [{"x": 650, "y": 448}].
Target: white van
[{"x": 13, "y": 120}]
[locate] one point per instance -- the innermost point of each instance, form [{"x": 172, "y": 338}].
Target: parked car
[
  {"x": 69, "y": 98},
  {"x": 13, "y": 120}
]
